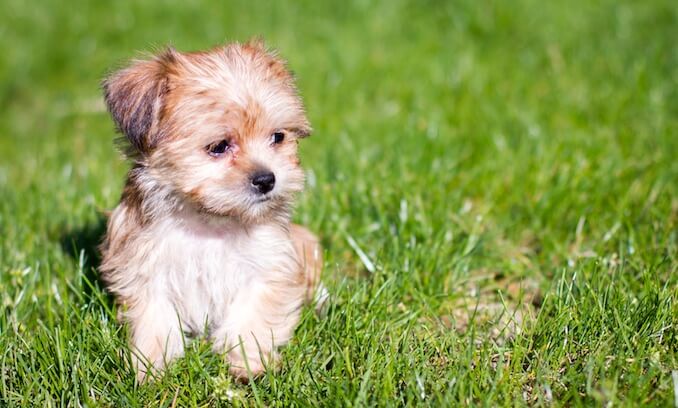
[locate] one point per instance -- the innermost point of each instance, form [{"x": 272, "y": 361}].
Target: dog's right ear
[{"x": 134, "y": 97}]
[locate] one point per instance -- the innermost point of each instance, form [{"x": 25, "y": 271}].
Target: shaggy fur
[{"x": 193, "y": 247}]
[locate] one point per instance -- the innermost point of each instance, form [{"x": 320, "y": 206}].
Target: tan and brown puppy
[{"x": 201, "y": 242}]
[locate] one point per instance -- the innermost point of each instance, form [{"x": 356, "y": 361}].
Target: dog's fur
[{"x": 193, "y": 247}]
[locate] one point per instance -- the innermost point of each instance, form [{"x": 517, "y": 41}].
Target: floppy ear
[
  {"x": 305, "y": 130},
  {"x": 134, "y": 97}
]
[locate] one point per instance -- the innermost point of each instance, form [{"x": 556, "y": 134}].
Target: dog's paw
[{"x": 244, "y": 374}]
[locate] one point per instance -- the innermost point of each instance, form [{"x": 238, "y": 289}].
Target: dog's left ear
[
  {"x": 135, "y": 97},
  {"x": 304, "y": 130}
]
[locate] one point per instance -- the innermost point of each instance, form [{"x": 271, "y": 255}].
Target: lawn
[{"x": 495, "y": 185}]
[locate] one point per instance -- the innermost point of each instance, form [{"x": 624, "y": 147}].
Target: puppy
[{"x": 201, "y": 242}]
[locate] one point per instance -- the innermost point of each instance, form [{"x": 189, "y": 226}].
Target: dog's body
[{"x": 202, "y": 241}]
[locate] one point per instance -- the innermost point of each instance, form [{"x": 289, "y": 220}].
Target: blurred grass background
[{"x": 495, "y": 184}]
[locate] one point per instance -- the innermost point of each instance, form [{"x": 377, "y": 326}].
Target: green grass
[{"x": 495, "y": 185}]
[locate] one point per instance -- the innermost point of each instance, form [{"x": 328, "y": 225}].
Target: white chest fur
[
  {"x": 200, "y": 269},
  {"x": 242, "y": 286}
]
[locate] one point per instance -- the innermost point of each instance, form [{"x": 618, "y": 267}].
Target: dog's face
[{"x": 220, "y": 127}]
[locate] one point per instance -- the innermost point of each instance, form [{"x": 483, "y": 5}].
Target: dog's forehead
[
  {"x": 242, "y": 105},
  {"x": 239, "y": 71},
  {"x": 212, "y": 88}
]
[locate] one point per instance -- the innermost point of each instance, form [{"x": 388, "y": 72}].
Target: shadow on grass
[{"x": 82, "y": 244}]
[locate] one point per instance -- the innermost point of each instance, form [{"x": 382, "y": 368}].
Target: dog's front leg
[
  {"x": 156, "y": 335},
  {"x": 258, "y": 321}
]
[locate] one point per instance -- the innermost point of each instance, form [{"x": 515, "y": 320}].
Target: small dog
[{"x": 201, "y": 242}]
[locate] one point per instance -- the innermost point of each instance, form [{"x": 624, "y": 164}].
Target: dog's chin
[
  {"x": 256, "y": 210},
  {"x": 262, "y": 200}
]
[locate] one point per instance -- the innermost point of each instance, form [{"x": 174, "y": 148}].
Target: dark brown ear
[
  {"x": 304, "y": 131},
  {"x": 134, "y": 97}
]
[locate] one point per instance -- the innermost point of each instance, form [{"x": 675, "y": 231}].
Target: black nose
[{"x": 263, "y": 181}]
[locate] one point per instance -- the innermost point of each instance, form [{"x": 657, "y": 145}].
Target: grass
[{"x": 495, "y": 185}]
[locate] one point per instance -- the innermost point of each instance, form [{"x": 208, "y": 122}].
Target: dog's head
[{"x": 219, "y": 127}]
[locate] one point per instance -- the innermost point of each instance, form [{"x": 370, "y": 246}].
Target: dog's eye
[
  {"x": 277, "y": 137},
  {"x": 216, "y": 149}
]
